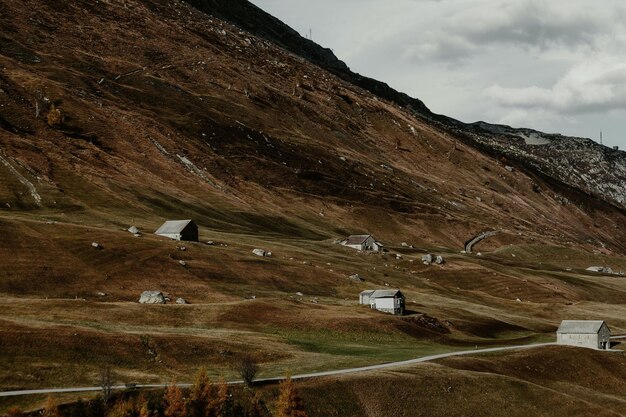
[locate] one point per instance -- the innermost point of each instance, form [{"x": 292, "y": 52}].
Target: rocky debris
[
  {"x": 152, "y": 297},
  {"x": 509, "y": 168},
  {"x": 210, "y": 243},
  {"x": 300, "y": 294},
  {"x": 404, "y": 245},
  {"x": 356, "y": 277},
  {"x": 604, "y": 270},
  {"x": 96, "y": 245},
  {"x": 181, "y": 301},
  {"x": 181, "y": 248},
  {"x": 261, "y": 252},
  {"x": 250, "y": 297},
  {"x": 398, "y": 256},
  {"x": 134, "y": 230},
  {"x": 101, "y": 294},
  {"x": 182, "y": 263},
  {"x": 430, "y": 259}
]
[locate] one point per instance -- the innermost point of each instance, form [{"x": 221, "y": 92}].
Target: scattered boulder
[
  {"x": 210, "y": 243},
  {"x": 101, "y": 294},
  {"x": 96, "y": 245},
  {"x": 404, "y": 245},
  {"x": 183, "y": 263},
  {"x": 181, "y": 301},
  {"x": 430, "y": 259},
  {"x": 134, "y": 230},
  {"x": 356, "y": 277},
  {"x": 509, "y": 168},
  {"x": 259, "y": 252},
  {"x": 398, "y": 256},
  {"x": 181, "y": 248},
  {"x": 300, "y": 294},
  {"x": 152, "y": 297}
]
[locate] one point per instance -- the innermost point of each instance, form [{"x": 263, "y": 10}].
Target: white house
[
  {"x": 388, "y": 301},
  {"x": 179, "y": 230},
  {"x": 593, "y": 334},
  {"x": 363, "y": 242}
]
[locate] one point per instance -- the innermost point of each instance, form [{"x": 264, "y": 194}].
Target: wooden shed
[
  {"x": 388, "y": 301},
  {"x": 594, "y": 334},
  {"x": 179, "y": 230}
]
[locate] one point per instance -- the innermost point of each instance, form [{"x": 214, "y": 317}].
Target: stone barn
[
  {"x": 363, "y": 243},
  {"x": 179, "y": 230},
  {"x": 388, "y": 301},
  {"x": 593, "y": 334}
]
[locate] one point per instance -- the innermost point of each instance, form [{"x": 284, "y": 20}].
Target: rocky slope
[{"x": 579, "y": 163}]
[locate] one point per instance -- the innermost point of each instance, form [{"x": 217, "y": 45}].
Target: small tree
[
  {"x": 248, "y": 368},
  {"x": 202, "y": 398},
  {"x": 175, "y": 405},
  {"x": 221, "y": 405},
  {"x": 51, "y": 408},
  {"x": 289, "y": 403},
  {"x": 55, "y": 117},
  {"x": 106, "y": 383},
  {"x": 122, "y": 408}
]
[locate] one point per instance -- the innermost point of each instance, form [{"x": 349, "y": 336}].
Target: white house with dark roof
[
  {"x": 179, "y": 230},
  {"x": 388, "y": 301},
  {"x": 363, "y": 243},
  {"x": 593, "y": 334}
]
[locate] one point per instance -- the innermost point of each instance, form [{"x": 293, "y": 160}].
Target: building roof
[
  {"x": 381, "y": 293},
  {"x": 356, "y": 239},
  {"x": 580, "y": 326},
  {"x": 173, "y": 226}
]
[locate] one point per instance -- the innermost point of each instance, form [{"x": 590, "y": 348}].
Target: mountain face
[
  {"x": 158, "y": 108},
  {"x": 576, "y": 162}
]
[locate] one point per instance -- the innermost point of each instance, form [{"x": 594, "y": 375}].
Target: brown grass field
[{"x": 160, "y": 126}]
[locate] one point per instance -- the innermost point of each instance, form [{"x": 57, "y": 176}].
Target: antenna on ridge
[
  {"x": 310, "y": 33},
  {"x": 600, "y": 137}
]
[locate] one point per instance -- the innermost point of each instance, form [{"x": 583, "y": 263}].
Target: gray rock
[
  {"x": 258, "y": 252},
  {"x": 427, "y": 259},
  {"x": 133, "y": 230},
  {"x": 181, "y": 301},
  {"x": 404, "y": 244},
  {"x": 101, "y": 294},
  {"x": 96, "y": 245},
  {"x": 439, "y": 260},
  {"x": 152, "y": 297},
  {"x": 182, "y": 263},
  {"x": 356, "y": 277},
  {"x": 299, "y": 294},
  {"x": 181, "y": 248},
  {"x": 210, "y": 243}
]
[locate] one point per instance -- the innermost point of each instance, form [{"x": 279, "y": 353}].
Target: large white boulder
[{"x": 152, "y": 297}]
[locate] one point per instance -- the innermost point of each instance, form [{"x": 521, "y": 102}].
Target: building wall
[
  {"x": 175, "y": 236},
  {"x": 576, "y": 339},
  {"x": 357, "y": 247},
  {"x": 389, "y": 305}
]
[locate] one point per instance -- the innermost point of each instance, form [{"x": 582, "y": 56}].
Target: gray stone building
[
  {"x": 388, "y": 301},
  {"x": 179, "y": 230},
  {"x": 363, "y": 243},
  {"x": 593, "y": 334}
]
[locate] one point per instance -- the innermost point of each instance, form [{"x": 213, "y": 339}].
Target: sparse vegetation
[
  {"x": 248, "y": 368},
  {"x": 55, "y": 116}
]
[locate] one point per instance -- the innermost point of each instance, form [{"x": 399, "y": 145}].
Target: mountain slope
[
  {"x": 576, "y": 162},
  {"x": 119, "y": 113}
]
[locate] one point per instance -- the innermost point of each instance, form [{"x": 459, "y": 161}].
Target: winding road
[{"x": 301, "y": 376}]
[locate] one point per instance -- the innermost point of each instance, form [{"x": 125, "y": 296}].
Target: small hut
[{"x": 179, "y": 230}]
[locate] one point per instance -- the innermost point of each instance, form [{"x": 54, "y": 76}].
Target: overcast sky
[{"x": 556, "y": 66}]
